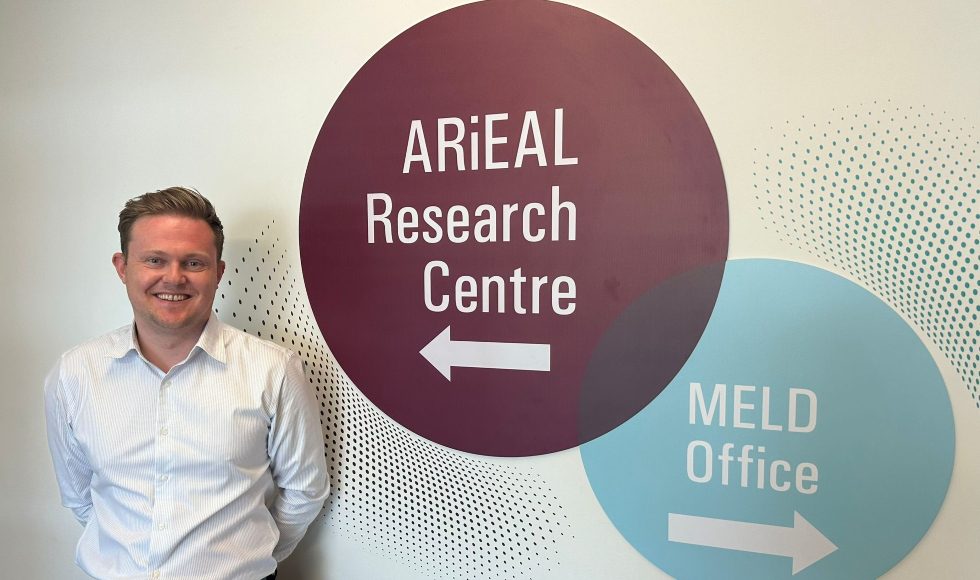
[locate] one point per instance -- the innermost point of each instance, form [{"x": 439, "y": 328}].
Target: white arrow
[
  {"x": 803, "y": 542},
  {"x": 444, "y": 353}
]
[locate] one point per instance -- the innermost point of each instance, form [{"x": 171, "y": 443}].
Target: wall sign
[
  {"x": 809, "y": 436},
  {"x": 490, "y": 191}
]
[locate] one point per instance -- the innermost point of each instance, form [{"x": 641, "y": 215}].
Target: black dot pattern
[
  {"x": 888, "y": 195},
  {"x": 443, "y": 513}
]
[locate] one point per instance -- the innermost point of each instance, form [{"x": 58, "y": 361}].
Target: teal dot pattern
[
  {"x": 440, "y": 512},
  {"x": 889, "y": 196}
]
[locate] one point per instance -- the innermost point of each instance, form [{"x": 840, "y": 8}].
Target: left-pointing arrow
[{"x": 444, "y": 353}]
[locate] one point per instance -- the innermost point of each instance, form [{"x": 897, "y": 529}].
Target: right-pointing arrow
[{"x": 803, "y": 542}]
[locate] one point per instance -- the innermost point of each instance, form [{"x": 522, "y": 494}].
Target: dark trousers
[{"x": 271, "y": 576}]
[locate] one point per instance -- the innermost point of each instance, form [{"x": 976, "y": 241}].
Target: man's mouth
[{"x": 172, "y": 297}]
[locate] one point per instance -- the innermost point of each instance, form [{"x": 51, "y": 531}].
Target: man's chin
[{"x": 176, "y": 324}]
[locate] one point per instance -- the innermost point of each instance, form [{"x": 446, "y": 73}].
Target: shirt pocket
[
  {"x": 224, "y": 432},
  {"x": 246, "y": 436}
]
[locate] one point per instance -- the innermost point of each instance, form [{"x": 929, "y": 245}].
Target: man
[{"x": 172, "y": 436}]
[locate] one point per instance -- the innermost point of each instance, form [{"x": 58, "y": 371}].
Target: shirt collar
[
  {"x": 211, "y": 341},
  {"x": 125, "y": 342}
]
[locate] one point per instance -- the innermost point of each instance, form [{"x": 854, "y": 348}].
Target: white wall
[{"x": 101, "y": 101}]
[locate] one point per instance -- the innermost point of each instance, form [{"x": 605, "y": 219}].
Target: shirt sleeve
[
  {"x": 297, "y": 459},
  {"x": 71, "y": 467}
]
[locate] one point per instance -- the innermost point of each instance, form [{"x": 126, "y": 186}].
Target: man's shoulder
[
  {"x": 90, "y": 357},
  {"x": 243, "y": 343},
  {"x": 101, "y": 345}
]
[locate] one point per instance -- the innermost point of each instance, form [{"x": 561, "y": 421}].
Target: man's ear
[
  {"x": 221, "y": 270},
  {"x": 119, "y": 263}
]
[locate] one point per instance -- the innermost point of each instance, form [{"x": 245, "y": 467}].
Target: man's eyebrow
[{"x": 191, "y": 256}]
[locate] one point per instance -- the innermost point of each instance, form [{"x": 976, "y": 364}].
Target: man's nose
[{"x": 174, "y": 274}]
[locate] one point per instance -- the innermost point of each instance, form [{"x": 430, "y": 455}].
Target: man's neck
[{"x": 165, "y": 348}]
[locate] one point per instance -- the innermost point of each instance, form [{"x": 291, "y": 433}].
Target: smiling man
[{"x": 186, "y": 448}]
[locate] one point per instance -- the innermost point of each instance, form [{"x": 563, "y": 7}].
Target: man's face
[{"x": 171, "y": 274}]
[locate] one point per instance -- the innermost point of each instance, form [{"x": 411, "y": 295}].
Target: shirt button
[
  {"x": 156, "y": 574},
  {"x": 164, "y": 477},
  {"x": 164, "y": 431},
  {"x": 162, "y": 526}
]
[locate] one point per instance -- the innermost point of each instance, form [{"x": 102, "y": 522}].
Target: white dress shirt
[{"x": 175, "y": 475}]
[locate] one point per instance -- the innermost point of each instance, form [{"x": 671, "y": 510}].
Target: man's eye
[
  {"x": 154, "y": 261},
  {"x": 194, "y": 264}
]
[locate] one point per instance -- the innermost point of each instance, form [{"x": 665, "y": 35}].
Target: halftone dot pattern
[
  {"x": 438, "y": 511},
  {"x": 888, "y": 195}
]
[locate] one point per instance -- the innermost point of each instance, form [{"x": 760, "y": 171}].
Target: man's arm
[
  {"x": 297, "y": 459},
  {"x": 70, "y": 464}
]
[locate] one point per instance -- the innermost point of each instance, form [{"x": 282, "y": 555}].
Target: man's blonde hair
[{"x": 179, "y": 201}]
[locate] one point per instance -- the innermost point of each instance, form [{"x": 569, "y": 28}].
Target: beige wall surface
[{"x": 104, "y": 100}]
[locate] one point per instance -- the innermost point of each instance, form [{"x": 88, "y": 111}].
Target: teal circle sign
[{"x": 809, "y": 436}]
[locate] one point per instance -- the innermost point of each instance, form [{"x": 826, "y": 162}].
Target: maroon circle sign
[{"x": 489, "y": 192}]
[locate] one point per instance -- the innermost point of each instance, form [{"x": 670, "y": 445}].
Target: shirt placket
[{"x": 160, "y": 533}]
